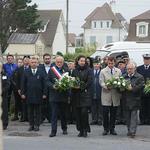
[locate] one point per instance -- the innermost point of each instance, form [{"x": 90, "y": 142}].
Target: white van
[{"x": 135, "y": 50}]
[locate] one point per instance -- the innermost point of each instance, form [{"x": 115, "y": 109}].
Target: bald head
[{"x": 59, "y": 61}]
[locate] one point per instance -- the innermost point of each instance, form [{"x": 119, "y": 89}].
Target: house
[
  {"x": 139, "y": 28},
  {"x": 25, "y": 44},
  {"x": 102, "y": 26},
  {"x": 71, "y": 42},
  {"x": 53, "y": 30},
  {"x": 51, "y": 35}
]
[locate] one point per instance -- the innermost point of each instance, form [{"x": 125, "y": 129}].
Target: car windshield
[{"x": 100, "y": 53}]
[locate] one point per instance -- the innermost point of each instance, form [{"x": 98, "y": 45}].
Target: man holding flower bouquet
[
  {"x": 133, "y": 98},
  {"x": 58, "y": 95},
  {"x": 110, "y": 96}
]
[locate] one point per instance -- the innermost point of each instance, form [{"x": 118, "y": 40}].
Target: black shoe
[
  {"x": 93, "y": 123},
  {"x": 132, "y": 135},
  {"x": 65, "y": 132},
  {"x": 128, "y": 134},
  {"x": 52, "y": 134},
  {"x": 4, "y": 127},
  {"x": 113, "y": 132},
  {"x": 36, "y": 128},
  {"x": 80, "y": 134},
  {"x": 31, "y": 128},
  {"x": 105, "y": 132},
  {"x": 84, "y": 133}
]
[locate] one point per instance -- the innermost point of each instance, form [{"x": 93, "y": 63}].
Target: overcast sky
[{"x": 80, "y": 9}]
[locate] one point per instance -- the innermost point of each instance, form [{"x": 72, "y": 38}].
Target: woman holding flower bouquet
[{"x": 82, "y": 95}]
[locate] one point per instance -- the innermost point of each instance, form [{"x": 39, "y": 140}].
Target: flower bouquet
[
  {"x": 64, "y": 83},
  {"x": 76, "y": 83},
  {"x": 147, "y": 87},
  {"x": 117, "y": 83}
]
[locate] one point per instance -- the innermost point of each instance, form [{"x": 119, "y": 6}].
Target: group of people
[{"x": 36, "y": 97}]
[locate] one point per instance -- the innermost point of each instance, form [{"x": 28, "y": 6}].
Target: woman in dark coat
[{"x": 82, "y": 95}]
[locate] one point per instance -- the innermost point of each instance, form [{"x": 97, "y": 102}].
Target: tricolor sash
[{"x": 56, "y": 72}]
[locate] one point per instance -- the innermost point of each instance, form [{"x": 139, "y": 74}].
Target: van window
[{"x": 115, "y": 54}]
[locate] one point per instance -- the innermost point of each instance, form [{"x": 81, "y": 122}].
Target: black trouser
[
  {"x": 82, "y": 119},
  {"x": 45, "y": 110},
  {"x": 17, "y": 101},
  {"x": 109, "y": 117},
  {"x": 34, "y": 112},
  {"x": 145, "y": 110},
  {"x": 57, "y": 107},
  {"x": 71, "y": 116},
  {"x": 5, "y": 110},
  {"x": 121, "y": 112},
  {"x": 96, "y": 110},
  {"x": 24, "y": 112}
]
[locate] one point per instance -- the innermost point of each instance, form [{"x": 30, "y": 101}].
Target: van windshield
[{"x": 100, "y": 53}]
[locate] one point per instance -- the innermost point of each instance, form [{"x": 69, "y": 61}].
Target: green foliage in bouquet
[
  {"x": 118, "y": 83},
  {"x": 147, "y": 87}
]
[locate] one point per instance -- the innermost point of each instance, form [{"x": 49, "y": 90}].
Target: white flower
[
  {"x": 119, "y": 83},
  {"x": 115, "y": 82},
  {"x": 123, "y": 84}
]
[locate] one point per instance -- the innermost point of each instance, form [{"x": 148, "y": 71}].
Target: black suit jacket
[
  {"x": 33, "y": 86},
  {"x": 55, "y": 95}
]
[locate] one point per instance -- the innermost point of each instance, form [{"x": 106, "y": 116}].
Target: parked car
[{"x": 135, "y": 51}]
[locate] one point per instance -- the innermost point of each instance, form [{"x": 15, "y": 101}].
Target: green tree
[{"x": 17, "y": 16}]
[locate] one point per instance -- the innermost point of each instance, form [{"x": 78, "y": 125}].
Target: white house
[
  {"x": 25, "y": 44},
  {"x": 53, "y": 30},
  {"x": 51, "y": 37},
  {"x": 102, "y": 26}
]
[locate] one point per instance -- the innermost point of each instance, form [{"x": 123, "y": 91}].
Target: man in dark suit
[
  {"x": 58, "y": 99},
  {"x": 34, "y": 91},
  {"x": 20, "y": 73},
  {"x": 45, "y": 108},
  {"x": 96, "y": 102},
  {"x": 145, "y": 109}
]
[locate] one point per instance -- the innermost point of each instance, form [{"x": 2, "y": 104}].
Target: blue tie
[{"x": 111, "y": 71}]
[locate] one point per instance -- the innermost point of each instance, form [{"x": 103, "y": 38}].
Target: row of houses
[{"x": 101, "y": 26}]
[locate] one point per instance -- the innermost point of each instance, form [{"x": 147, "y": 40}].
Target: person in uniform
[{"x": 145, "y": 107}]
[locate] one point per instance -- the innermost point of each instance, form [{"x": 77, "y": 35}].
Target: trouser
[
  {"x": 96, "y": 110},
  {"x": 58, "y": 107},
  {"x": 34, "y": 112},
  {"x": 45, "y": 110},
  {"x": 82, "y": 119},
  {"x": 5, "y": 110},
  {"x": 145, "y": 110},
  {"x": 109, "y": 117},
  {"x": 121, "y": 117},
  {"x": 18, "y": 105},
  {"x": 132, "y": 120},
  {"x": 24, "y": 112},
  {"x": 71, "y": 116}
]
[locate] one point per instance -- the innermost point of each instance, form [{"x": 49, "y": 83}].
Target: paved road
[{"x": 95, "y": 141}]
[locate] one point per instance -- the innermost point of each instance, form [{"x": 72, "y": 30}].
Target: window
[
  {"x": 108, "y": 24},
  {"x": 94, "y": 24},
  {"x": 92, "y": 39},
  {"x": 109, "y": 39},
  {"x": 142, "y": 29},
  {"x": 101, "y": 24}
]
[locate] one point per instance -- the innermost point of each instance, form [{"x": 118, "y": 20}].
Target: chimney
[{"x": 112, "y": 4}]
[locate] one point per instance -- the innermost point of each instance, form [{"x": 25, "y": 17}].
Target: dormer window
[
  {"x": 142, "y": 29},
  {"x": 101, "y": 24},
  {"x": 43, "y": 27}
]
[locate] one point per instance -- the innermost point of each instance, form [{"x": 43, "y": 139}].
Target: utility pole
[{"x": 67, "y": 21}]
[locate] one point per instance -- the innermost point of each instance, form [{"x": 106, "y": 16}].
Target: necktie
[
  {"x": 96, "y": 72},
  {"x": 146, "y": 67},
  {"x": 34, "y": 72},
  {"x": 111, "y": 71}
]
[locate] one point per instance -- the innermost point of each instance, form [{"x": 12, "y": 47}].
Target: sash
[{"x": 56, "y": 72}]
